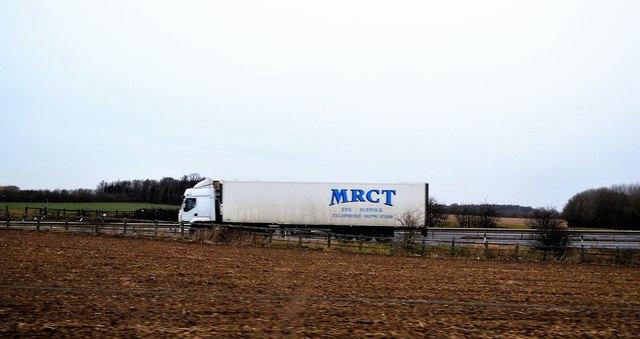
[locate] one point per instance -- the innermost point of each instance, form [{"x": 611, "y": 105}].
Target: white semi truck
[{"x": 368, "y": 209}]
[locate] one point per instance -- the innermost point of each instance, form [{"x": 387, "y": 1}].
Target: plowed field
[{"x": 55, "y": 284}]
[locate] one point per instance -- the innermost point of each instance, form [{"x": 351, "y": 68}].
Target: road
[{"x": 586, "y": 239}]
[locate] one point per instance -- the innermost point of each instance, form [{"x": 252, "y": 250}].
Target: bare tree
[
  {"x": 550, "y": 233},
  {"x": 436, "y": 213},
  {"x": 464, "y": 215},
  {"x": 476, "y": 216},
  {"x": 487, "y": 216},
  {"x": 412, "y": 221}
]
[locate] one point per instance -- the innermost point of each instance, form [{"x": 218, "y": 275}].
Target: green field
[{"x": 100, "y": 206}]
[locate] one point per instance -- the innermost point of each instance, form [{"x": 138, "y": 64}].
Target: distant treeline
[
  {"x": 613, "y": 207},
  {"x": 616, "y": 207},
  {"x": 164, "y": 191},
  {"x": 504, "y": 211}
]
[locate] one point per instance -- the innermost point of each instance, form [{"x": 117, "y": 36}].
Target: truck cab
[{"x": 200, "y": 204}]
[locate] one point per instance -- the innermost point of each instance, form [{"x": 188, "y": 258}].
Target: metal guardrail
[
  {"x": 468, "y": 243},
  {"x": 529, "y": 230},
  {"x": 433, "y": 236},
  {"x": 125, "y": 227},
  {"x": 615, "y": 239}
]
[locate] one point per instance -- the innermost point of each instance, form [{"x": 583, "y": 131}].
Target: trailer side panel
[{"x": 301, "y": 203}]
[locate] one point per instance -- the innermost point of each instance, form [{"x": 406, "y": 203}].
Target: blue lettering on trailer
[
  {"x": 357, "y": 195},
  {"x": 338, "y": 196},
  {"x": 370, "y": 196},
  {"x": 341, "y": 196}
]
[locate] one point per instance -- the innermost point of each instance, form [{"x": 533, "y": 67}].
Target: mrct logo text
[{"x": 341, "y": 196}]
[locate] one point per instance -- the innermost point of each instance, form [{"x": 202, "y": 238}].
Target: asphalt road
[{"x": 586, "y": 240}]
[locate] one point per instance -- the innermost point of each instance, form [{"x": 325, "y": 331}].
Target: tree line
[
  {"x": 613, "y": 207},
  {"x": 493, "y": 210},
  {"x": 164, "y": 191}
]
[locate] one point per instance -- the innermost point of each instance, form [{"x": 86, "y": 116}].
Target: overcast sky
[{"x": 514, "y": 102}]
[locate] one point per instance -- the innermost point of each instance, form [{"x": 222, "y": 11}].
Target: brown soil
[{"x": 56, "y": 284}]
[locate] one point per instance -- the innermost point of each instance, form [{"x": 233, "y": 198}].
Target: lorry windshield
[{"x": 189, "y": 204}]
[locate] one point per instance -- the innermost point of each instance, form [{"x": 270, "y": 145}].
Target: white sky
[{"x": 515, "y": 102}]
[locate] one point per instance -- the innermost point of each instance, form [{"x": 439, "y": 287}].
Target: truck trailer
[{"x": 363, "y": 209}]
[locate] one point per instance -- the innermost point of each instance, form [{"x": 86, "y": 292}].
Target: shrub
[
  {"x": 480, "y": 216},
  {"x": 412, "y": 221},
  {"x": 231, "y": 236},
  {"x": 549, "y": 233}
]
